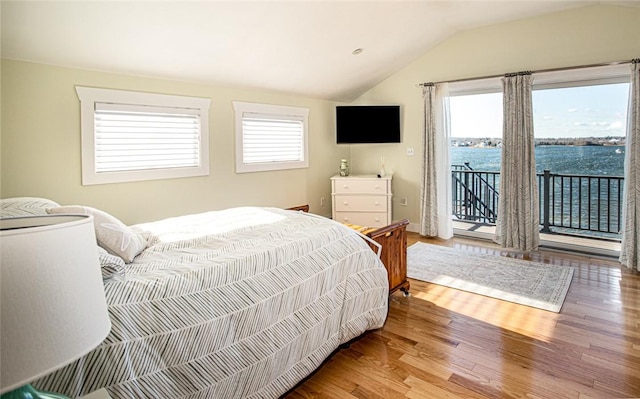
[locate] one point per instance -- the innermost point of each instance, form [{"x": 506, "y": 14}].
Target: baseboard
[{"x": 413, "y": 227}]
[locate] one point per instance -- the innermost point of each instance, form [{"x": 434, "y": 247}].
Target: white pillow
[
  {"x": 112, "y": 234},
  {"x": 25, "y": 206}
]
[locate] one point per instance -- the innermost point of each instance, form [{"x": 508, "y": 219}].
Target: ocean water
[
  {"x": 561, "y": 159},
  {"x": 578, "y": 206}
]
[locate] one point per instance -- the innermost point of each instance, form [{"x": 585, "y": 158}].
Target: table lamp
[{"x": 53, "y": 308}]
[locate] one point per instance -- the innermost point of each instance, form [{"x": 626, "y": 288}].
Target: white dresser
[{"x": 363, "y": 200}]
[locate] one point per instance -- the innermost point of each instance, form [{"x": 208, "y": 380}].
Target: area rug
[{"x": 527, "y": 283}]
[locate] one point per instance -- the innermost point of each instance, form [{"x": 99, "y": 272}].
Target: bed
[{"x": 240, "y": 303}]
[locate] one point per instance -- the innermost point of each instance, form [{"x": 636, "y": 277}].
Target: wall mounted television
[{"x": 367, "y": 124}]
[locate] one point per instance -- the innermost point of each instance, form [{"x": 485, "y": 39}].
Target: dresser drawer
[
  {"x": 363, "y": 200},
  {"x": 360, "y": 186},
  {"x": 366, "y": 219},
  {"x": 361, "y": 203}
]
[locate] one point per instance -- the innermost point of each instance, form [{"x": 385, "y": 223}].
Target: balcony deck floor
[{"x": 586, "y": 245}]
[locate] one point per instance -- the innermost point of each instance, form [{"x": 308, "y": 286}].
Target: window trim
[
  {"x": 241, "y": 108},
  {"x": 89, "y": 96},
  {"x": 558, "y": 79},
  {"x": 590, "y": 76}
]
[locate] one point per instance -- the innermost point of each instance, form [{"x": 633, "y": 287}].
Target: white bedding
[{"x": 241, "y": 303}]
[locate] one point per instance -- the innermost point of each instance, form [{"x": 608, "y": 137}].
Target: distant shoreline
[{"x": 492, "y": 142}]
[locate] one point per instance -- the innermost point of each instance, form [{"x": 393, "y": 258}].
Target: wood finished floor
[{"x": 445, "y": 343}]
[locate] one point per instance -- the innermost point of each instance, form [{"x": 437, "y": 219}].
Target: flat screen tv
[{"x": 367, "y": 124}]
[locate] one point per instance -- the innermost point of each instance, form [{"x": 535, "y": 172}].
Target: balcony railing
[
  {"x": 475, "y": 194},
  {"x": 569, "y": 204}
]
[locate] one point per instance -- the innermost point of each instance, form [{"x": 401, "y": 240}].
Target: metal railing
[
  {"x": 571, "y": 204},
  {"x": 475, "y": 194}
]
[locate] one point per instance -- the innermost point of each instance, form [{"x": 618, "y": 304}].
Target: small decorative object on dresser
[
  {"x": 344, "y": 168},
  {"x": 383, "y": 171},
  {"x": 364, "y": 200}
]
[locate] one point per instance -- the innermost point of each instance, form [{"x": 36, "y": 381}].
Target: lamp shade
[{"x": 53, "y": 308}]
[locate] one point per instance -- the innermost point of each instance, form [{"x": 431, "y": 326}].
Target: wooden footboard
[
  {"x": 393, "y": 240},
  {"x": 303, "y": 208}
]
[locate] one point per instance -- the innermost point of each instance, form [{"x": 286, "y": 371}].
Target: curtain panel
[
  {"x": 435, "y": 193},
  {"x": 630, "y": 249},
  {"x": 517, "y": 224}
]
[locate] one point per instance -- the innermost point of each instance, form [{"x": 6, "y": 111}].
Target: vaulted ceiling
[{"x": 298, "y": 47}]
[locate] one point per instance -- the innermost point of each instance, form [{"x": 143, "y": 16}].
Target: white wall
[
  {"x": 41, "y": 148},
  {"x": 581, "y": 36}
]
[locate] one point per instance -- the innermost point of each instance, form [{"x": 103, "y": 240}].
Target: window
[
  {"x": 580, "y": 140},
  {"x": 132, "y": 136},
  {"x": 579, "y": 119},
  {"x": 580, "y": 106},
  {"x": 586, "y": 123},
  {"x": 270, "y": 137},
  {"x": 476, "y": 122}
]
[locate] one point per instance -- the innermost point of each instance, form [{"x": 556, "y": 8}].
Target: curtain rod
[{"x": 536, "y": 71}]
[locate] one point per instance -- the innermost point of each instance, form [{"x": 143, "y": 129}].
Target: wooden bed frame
[{"x": 393, "y": 239}]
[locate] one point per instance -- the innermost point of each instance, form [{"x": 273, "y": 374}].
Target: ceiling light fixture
[{"x": 357, "y": 51}]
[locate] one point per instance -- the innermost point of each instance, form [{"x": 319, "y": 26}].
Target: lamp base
[{"x": 29, "y": 392}]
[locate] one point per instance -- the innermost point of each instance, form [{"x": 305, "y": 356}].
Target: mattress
[{"x": 240, "y": 303}]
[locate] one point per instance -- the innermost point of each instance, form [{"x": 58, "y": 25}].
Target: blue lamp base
[{"x": 29, "y": 392}]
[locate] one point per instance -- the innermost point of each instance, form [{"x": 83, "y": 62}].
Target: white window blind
[
  {"x": 133, "y": 136},
  {"x": 272, "y": 138},
  {"x": 129, "y": 137}
]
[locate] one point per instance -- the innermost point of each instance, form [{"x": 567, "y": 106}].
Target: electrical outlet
[
  {"x": 321, "y": 201},
  {"x": 410, "y": 152},
  {"x": 403, "y": 201}
]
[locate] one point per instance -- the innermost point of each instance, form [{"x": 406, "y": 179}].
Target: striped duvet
[{"x": 241, "y": 303}]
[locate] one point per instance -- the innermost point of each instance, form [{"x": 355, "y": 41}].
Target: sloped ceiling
[{"x": 298, "y": 47}]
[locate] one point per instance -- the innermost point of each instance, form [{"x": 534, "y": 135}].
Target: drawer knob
[
  {"x": 377, "y": 219},
  {"x": 345, "y": 203},
  {"x": 376, "y": 203},
  {"x": 345, "y": 186},
  {"x": 346, "y": 219}
]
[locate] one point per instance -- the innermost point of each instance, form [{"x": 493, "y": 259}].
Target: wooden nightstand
[{"x": 99, "y": 394}]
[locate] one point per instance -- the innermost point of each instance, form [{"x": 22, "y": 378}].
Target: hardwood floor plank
[
  {"x": 323, "y": 390},
  {"x": 423, "y": 389},
  {"x": 370, "y": 378},
  {"x": 363, "y": 393},
  {"x": 479, "y": 385},
  {"x": 431, "y": 365},
  {"x": 514, "y": 381},
  {"x": 408, "y": 371},
  {"x": 613, "y": 329},
  {"x": 631, "y": 358},
  {"x": 445, "y": 343}
]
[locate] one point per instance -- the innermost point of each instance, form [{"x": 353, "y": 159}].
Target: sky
[{"x": 588, "y": 111}]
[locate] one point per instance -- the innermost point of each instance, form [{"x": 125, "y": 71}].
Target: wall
[
  {"x": 583, "y": 36},
  {"x": 40, "y": 126},
  {"x": 41, "y": 148}
]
